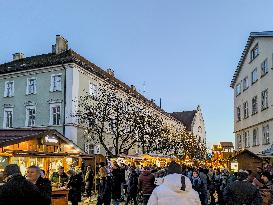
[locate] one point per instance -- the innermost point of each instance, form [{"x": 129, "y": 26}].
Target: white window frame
[
  {"x": 245, "y": 83},
  {"x": 27, "y": 116},
  {"x": 28, "y": 86},
  {"x": 93, "y": 89},
  {"x": 238, "y": 113},
  {"x": 52, "y": 83},
  {"x": 51, "y": 106},
  {"x": 256, "y": 140},
  {"x": 264, "y": 99},
  {"x": 264, "y": 67},
  {"x": 5, "y": 117},
  {"x": 246, "y": 110},
  {"x": 239, "y": 141},
  {"x": 238, "y": 89},
  {"x": 6, "y": 89},
  {"x": 89, "y": 148},
  {"x": 265, "y": 133},
  {"x": 252, "y": 76},
  {"x": 254, "y": 106},
  {"x": 254, "y": 52},
  {"x": 246, "y": 139}
]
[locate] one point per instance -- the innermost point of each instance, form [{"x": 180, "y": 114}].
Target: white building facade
[{"x": 253, "y": 94}]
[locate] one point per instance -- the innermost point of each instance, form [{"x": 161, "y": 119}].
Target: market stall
[{"x": 45, "y": 148}]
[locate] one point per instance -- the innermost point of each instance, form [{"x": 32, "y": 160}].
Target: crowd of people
[
  {"x": 35, "y": 189},
  {"x": 148, "y": 185},
  {"x": 184, "y": 185}
]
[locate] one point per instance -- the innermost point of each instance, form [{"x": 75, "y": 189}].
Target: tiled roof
[
  {"x": 71, "y": 56},
  {"x": 186, "y": 117},
  {"x": 250, "y": 39}
]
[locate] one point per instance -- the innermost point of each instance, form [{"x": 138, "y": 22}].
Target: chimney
[
  {"x": 17, "y": 56},
  {"x": 60, "y": 46},
  {"x": 110, "y": 72},
  {"x": 133, "y": 88}
]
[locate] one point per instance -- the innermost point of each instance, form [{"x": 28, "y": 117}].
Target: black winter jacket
[
  {"x": 19, "y": 191},
  {"x": 44, "y": 186},
  {"x": 242, "y": 192},
  {"x": 75, "y": 184}
]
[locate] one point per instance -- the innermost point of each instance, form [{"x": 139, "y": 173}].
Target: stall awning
[{"x": 14, "y": 136}]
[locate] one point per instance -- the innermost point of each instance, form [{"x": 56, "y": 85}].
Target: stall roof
[
  {"x": 245, "y": 151},
  {"x": 14, "y": 136}
]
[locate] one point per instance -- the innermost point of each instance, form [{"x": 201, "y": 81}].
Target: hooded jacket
[
  {"x": 146, "y": 182},
  {"x": 169, "y": 192}
]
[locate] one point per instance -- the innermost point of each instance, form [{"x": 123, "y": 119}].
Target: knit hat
[
  {"x": 266, "y": 174},
  {"x": 11, "y": 169},
  {"x": 174, "y": 168}
]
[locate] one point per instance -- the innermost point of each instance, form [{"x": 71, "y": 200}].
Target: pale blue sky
[{"x": 184, "y": 51}]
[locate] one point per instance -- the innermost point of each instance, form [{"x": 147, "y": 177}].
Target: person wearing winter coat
[
  {"x": 242, "y": 192},
  {"x": 176, "y": 189},
  {"x": 88, "y": 179},
  {"x": 146, "y": 184},
  {"x": 266, "y": 190},
  {"x": 117, "y": 179},
  {"x": 17, "y": 190},
  {"x": 74, "y": 185},
  {"x": 104, "y": 188},
  {"x": 44, "y": 185},
  {"x": 132, "y": 187}
]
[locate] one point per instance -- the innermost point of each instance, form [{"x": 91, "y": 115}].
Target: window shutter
[
  {"x": 27, "y": 91},
  {"x": 35, "y": 86},
  {"x": 51, "y": 83},
  {"x": 5, "y": 90},
  {"x": 12, "y": 93}
]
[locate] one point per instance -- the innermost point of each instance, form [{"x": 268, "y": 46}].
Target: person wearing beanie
[
  {"x": 176, "y": 189},
  {"x": 17, "y": 190}
]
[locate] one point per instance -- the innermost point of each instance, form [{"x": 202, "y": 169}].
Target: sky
[{"x": 184, "y": 52}]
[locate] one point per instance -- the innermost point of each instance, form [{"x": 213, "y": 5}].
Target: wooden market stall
[
  {"x": 247, "y": 160},
  {"x": 45, "y": 148}
]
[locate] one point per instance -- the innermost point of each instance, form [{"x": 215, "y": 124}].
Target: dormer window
[{"x": 254, "y": 52}]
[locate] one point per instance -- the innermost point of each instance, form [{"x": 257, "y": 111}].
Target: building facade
[
  {"x": 253, "y": 90},
  {"x": 40, "y": 91},
  {"x": 194, "y": 122}
]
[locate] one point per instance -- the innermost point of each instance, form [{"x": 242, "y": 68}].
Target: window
[
  {"x": 238, "y": 89},
  {"x": 246, "y": 139},
  {"x": 245, "y": 109},
  {"x": 264, "y": 67},
  {"x": 30, "y": 116},
  {"x": 254, "y": 76},
  {"x": 266, "y": 134},
  {"x": 8, "y": 118},
  {"x": 93, "y": 89},
  {"x": 254, "y": 52},
  {"x": 238, "y": 113},
  {"x": 56, "y": 82},
  {"x": 31, "y": 86},
  {"x": 89, "y": 148},
  {"x": 255, "y": 137},
  {"x": 245, "y": 83},
  {"x": 239, "y": 140},
  {"x": 9, "y": 89},
  {"x": 254, "y": 105},
  {"x": 264, "y": 104},
  {"x": 55, "y": 114}
]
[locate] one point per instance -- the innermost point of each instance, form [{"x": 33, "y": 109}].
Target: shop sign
[{"x": 50, "y": 140}]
